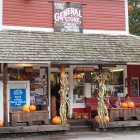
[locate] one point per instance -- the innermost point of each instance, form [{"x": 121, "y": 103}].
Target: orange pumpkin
[
  {"x": 22, "y": 77},
  {"x": 25, "y": 108},
  {"x": 56, "y": 120},
  {"x": 130, "y": 104},
  {"x": 106, "y": 118},
  {"x": 1, "y": 123},
  {"x": 96, "y": 118},
  {"x": 123, "y": 105},
  {"x": 32, "y": 108}
]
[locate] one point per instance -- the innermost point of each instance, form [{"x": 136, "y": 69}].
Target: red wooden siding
[
  {"x": 132, "y": 71},
  {"x": 105, "y": 15},
  {"x": 32, "y": 13},
  {"x": 97, "y": 14}
]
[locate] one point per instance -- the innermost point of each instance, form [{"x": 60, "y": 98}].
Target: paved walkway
[{"x": 123, "y": 135}]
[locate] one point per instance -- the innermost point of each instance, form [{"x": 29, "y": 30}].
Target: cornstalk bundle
[
  {"x": 64, "y": 99},
  {"x": 102, "y": 109}
]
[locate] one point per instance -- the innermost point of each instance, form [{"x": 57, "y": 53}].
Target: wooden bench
[
  {"x": 136, "y": 101},
  {"x": 29, "y": 117},
  {"x": 92, "y": 103}
]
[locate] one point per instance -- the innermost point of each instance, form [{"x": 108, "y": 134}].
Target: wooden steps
[{"x": 79, "y": 125}]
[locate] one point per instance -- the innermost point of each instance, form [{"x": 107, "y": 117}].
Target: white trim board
[
  {"x": 22, "y": 28},
  {"x": 52, "y": 30},
  {"x": 1, "y": 13},
  {"x": 126, "y": 17}
]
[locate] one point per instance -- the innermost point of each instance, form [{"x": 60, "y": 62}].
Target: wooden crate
[
  {"x": 29, "y": 117},
  {"x": 125, "y": 113}
]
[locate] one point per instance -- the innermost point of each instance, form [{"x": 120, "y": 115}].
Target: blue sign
[{"x": 17, "y": 97}]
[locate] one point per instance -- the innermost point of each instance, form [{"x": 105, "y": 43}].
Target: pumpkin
[
  {"x": 32, "y": 108},
  {"x": 130, "y": 104},
  {"x": 96, "y": 118},
  {"x": 25, "y": 108},
  {"x": 56, "y": 120},
  {"x": 22, "y": 77},
  {"x": 123, "y": 105},
  {"x": 106, "y": 118},
  {"x": 1, "y": 123}
]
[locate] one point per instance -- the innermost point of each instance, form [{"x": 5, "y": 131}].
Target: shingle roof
[{"x": 21, "y": 46}]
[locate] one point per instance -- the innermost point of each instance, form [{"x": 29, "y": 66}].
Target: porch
[
  {"x": 37, "y": 128},
  {"x": 74, "y": 125},
  {"x": 91, "y": 125}
]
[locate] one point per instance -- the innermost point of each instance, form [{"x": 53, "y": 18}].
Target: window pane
[
  {"x": 78, "y": 87},
  {"x": 117, "y": 83},
  {"x": 135, "y": 87}
]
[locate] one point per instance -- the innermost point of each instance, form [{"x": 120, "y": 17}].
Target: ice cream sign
[
  {"x": 17, "y": 97},
  {"x": 67, "y": 17}
]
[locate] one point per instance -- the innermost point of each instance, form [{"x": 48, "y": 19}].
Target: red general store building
[{"x": 43, "y": 38}]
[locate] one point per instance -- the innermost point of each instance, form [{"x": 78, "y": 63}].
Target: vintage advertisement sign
[
  {"x": 90, "y": 69},
  {"x": 17, "y": 97},
  {"x": 68, "y": 17}
]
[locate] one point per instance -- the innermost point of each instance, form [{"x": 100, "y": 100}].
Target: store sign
[
  {"x": 85, "y": 69},
  {"x": 17, "y": 97},
  {"x": 68, "y": 17}
]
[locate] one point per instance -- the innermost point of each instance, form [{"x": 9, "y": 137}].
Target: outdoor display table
[
  {"x": 29, "y": 117},
  {"x": 125, "y": 113}
]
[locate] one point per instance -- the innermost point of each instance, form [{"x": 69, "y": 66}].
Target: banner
[{"x": 68, "y": 17}]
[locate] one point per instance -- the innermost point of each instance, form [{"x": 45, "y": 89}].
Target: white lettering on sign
[
  {"x": 17, "y": 92},
  {"x": 59, "y": 6},
  {"x": 73, "y": 12}
]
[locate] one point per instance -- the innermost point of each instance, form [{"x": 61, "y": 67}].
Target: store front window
[
  {"x": 14, "y": 73},
  {"x": 117, "y": 83},
  {"x": 135, "y": 86},
  {"x": 78, "y": 87},
  {"x": 86, "y": 85},
  {"x": 38, "y": 78}
]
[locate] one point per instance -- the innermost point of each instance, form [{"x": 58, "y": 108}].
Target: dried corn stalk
[
  {"x": 102, "y": 108},
  {"x": 64, "y": 99}
]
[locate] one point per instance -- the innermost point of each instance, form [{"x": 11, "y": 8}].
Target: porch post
[
  {"x": 62, "y": 72},
  {"x": 5, "y": 94},
  {"x": 100, "y": 69}
]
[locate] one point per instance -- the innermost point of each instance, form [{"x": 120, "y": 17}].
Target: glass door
[{"x": 135, "y": 86}]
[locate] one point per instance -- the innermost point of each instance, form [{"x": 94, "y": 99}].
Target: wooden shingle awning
[{"x": 68, "y": 48}]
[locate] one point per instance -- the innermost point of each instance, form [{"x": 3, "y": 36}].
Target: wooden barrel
[{"x": 53, "y": 106}]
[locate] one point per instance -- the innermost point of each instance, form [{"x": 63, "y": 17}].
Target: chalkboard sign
[{"x": 17, "y": 97}]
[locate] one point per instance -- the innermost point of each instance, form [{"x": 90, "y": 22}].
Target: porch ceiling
[{"x": 68, "y": 48}]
